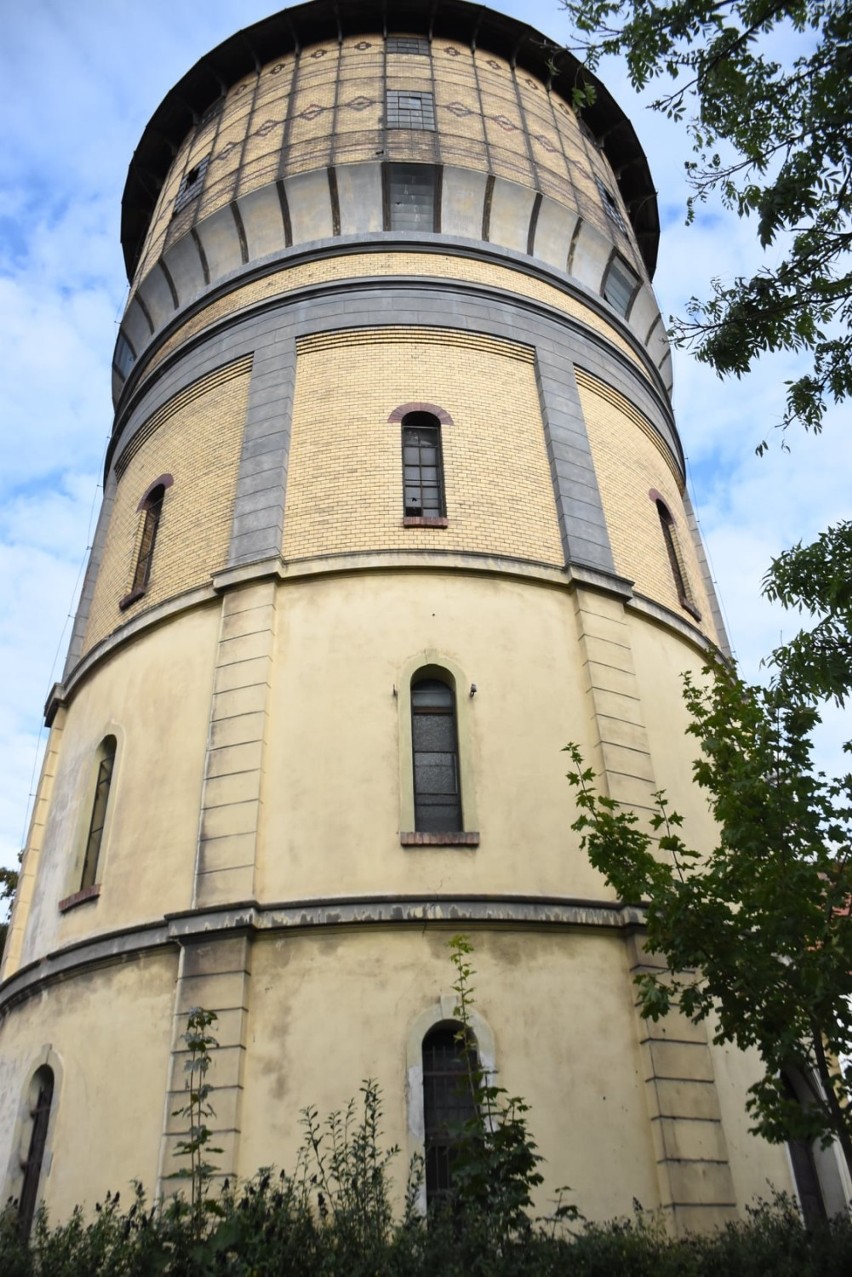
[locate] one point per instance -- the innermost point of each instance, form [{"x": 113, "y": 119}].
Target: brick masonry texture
[
  {"x": 628, "y": 466},
  {"x": 441, "y": 264},
  {"x": 327, "y": 106},
  {"x": 345, "y": 474},
  {"x": 199, "y": 445}
]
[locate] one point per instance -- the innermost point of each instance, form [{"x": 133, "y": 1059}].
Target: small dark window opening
[
  {"x": 124, "y": 357},
  {"x": 447, "y": 1104},
  {"x": 422, "y": 467},
  {"x": 437, "y": 794},
  {"x": 408, "y": 44},
  {"x": 411, "y": 193},
  {"x": 95, "y": 836},
  {"x": 611, "y": 206},
  {"x": 191, "y": 184},
  {"x": 804, "y": 1170},
  {"x": 681, "y": 581},
  {"x": 40, "y": 1115},
  {"x": 409, "y": 109},
  {"x": 620, "y": 286}
]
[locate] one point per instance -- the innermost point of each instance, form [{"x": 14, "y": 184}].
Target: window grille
[
  {"x": 676, "y": 563},
  {"x": 437, "y": 795},
  {"x": 422, "y": 469},
  {"x": 191, "y": 184},
  {"x": 447, "y": 1104},
  {"x": 124, "y": 357},
  {"x": 611, "y": 206},
  {"x": 408, "y": 44},
  {"x": 411, "y": 192},
  {"x": 40, "y": 1115},
  {"x": 620, "y": 286},
  {"x": 97, "y": 821},
  {"x": 408, "y": 109},
  {"x": 153, "y": 513}
]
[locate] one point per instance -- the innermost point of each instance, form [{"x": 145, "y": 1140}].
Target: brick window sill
[
  {"x": 80, "y": 897},
  {"x": 130, "y": 599},
  {"x": 470, "y": 839},
  {"x": 419, "y": 521}
]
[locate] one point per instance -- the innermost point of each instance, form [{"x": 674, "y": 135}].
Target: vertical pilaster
[
  {"x": 694, "y": 1176},
  {"x": 215, "y": 976},
  {"x": 622, "y": 753},
  {"x": 32, "y": 851},
  {"x": 233, "y": 773}
]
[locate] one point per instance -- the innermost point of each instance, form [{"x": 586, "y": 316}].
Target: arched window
[
  {"x": 675, "y": 555},
  {"x": 94, "y": 838},
  {"x": 40, "y": 1102},
  {"x": 422, "y": 467},
  {"x": 804, "y": 1165},
  {"x": 151, "y": 509},
  {"x": 448, "y": 1104},
  {"x": 437, "y": 793}
]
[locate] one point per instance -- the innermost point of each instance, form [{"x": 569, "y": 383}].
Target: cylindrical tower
[{"x": 394, "y": 506}]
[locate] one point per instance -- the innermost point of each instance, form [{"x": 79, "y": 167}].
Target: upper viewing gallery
[{"x": 341, "y": 139}]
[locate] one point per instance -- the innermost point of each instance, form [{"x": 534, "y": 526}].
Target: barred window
[
  {"x": 409, "y": 109},
  {"x": 94, "y": 839},
  {"x": 675, "y": 556},
  {"x": 411, "y": 197},
  {"x": 151, "y": 509},
  {"x": 41, "y": 1092},
  {"x": 408, "y": 44},
  {"x": 611, "y": 206},
  {"x": 191, "y": 184},
  {"x": 422, "y": 468},
  {"x": 620, "y": 286},
  {"x": 437, "y": 794},
  {"x": 447, "y": 1103}
]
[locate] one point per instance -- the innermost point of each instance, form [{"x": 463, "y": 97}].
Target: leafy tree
[
  {"x": 815, "y": 578},
  {"x": 8, "y": 887},
  {"x": 772, "y": 138},
  {"x": 756, "y": 933}
]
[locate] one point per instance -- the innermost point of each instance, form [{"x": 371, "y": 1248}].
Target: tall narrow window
[
  {"x": 41, "y": 1093},
  {"x": 437, "y": 796},
  {"x": 151, "y": 509},
  {"x": 422, "y": 469},
  {"x": 804, "y": 1169},
  {"x": 676, "y": 563},
  {"x": 447, "y": 1103},
  {"x": 92, "y": 854}
]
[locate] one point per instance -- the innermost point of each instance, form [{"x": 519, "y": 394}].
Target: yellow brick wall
[
  {"x": 629, "y": 463},
  {"x": 199, "y": 445},
  {"x": 344, "y": 486},
  {"x": 296, "y": 115},
  {"x": 423, "y": 265}
]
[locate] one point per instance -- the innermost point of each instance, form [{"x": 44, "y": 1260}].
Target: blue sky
[{"x": 78, "y": 82}]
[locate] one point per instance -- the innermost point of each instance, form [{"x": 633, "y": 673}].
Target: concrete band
[{"x": 206, "y": 925}]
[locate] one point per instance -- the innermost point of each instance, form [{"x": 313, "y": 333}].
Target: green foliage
[
  {"x": 8, "y": 887},
  {"x": 772, "y": 139},
  {"x": 196, "y": 1145},
  {"x": 497, "y": 1164},
  {"x": 268, "y": 1229},
  {"x": 818, "y": 661},
  {"x": 755, "y": 932}
]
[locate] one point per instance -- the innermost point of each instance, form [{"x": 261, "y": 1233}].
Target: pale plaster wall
[
  {"x": 110, "y": 1029},
  {"x": 331, "y": 797},
  {"x": 155, "y": 699},
  {"x": 329, "y": 1010}
]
